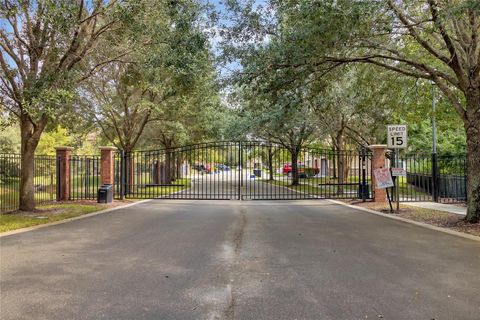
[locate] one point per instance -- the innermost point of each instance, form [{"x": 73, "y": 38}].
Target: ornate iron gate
[{"x": 243, "y": 170}]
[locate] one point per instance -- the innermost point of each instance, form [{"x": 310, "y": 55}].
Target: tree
[
  {"x": 433, "y": 40},
  {"x": 9, "y": 139},
  {"x": 347, "y": 108},
  {"x": 415, "y": 108},
  {"x": 53, "y": 138},
  {"x": 188, "y": 118},
  {"x": 44, "y": 44},
  {"x": 440, "y": 44},
  {"x": 276, "y": 116},
  {"x": 124, "y": 97},
  {"x": 121, "y": 102}
]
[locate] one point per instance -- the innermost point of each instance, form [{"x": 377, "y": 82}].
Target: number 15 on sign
[{"x": 397, "y": 136}]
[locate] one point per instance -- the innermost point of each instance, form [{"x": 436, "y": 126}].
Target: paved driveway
[{"x": 238, "y": 260}]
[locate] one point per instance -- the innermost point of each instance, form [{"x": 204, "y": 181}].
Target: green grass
[
  {"x": 45, "y": 214},
  {"x": 405, "y": 190},
  {"x": 78, "y": 184},
  {"x": 408, "y": 190},
  {"x": 9, "y": 190},
  {"x": 306, "y": 186},
  {"x": 329, "y": 179},
  {"x": 156, "y": 192},
  {"x": 80, "y": 180},
  {"x": 9, "y": 193}
]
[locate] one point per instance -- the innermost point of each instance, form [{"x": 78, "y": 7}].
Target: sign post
[
  {"x": 397, "y": 138},
  {"x": 383, "y": 180}
]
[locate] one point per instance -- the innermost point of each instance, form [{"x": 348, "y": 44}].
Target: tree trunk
[
  {"x": 129, "y": 168},
  {"x": 27, "y": 190},
  {"x": 168, "y": 166},
  {"x": 270, "y": 162},
  {"x": 472, "y": 128},
  {"x": 30, "y": 136},
  {"x": 295, "y": 180},
  {"x": 348, "y": 167},
  {"x": 178, "y": 173},
  {"x": 340, "y": 163},
  {"x": 334, "y": 160},
  {"x": 173, "y": 169}
]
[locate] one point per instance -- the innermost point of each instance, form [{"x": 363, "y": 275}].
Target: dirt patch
[{"x": 433, "y": 217}]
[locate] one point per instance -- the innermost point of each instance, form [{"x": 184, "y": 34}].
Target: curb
[
  {"x": 22, "y": 230},
  {"x": 420, "y": 224}
]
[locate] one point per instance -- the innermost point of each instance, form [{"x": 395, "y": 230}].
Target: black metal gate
[{"x": 243, "y": 170}]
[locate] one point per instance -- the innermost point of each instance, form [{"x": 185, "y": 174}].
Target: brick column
[
  {"x": 378, "y": 161},
  {"x": 63, "y": 172},
  {"x": 107, "y": 165}
]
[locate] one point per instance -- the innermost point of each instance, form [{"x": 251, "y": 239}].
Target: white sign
[
  {"x": 383, "y": 178},
  {"x": 399, "y": 172},
  {"x": 397, "y": 136}
]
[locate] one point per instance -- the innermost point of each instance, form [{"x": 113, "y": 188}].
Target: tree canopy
[{"x": 147, "y": 74}]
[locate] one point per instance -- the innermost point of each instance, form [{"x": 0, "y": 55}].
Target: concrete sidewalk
[{"x": 439, "y": 206}]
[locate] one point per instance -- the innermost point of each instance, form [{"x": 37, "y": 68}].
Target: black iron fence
[
  {"x": 84, "y": 177},
  {"x": 430, "y": 177},
  {"x": 238, "y": 170},
  {"x": 243, "y": 170},
  {"x": 44, "y": 180},
  {"x": 274, "y": 171},
  {"x": 203, "y": 171}
]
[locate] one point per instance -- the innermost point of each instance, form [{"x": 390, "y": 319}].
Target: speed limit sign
[{"x": 397, "y": 136}]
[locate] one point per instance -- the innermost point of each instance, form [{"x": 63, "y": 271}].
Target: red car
[{"x": 287, "y": 168}]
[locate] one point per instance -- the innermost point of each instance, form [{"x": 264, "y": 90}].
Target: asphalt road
[
  {"x": 176, "y": 259},
  {"x": 245, "y": 185},
  {"x": 234, "y": 185}
]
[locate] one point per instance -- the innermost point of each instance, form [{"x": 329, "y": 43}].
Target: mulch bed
[{"x": 433, "y": 217}]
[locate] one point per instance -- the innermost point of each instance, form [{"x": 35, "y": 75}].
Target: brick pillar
[
  {"x": 63, "y": 172},
  {"x": 378, "y": 161},
  {"x": 107, "y": 165}
]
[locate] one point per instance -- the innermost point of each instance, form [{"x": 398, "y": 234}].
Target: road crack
[
  {"x": 240, "y": 231},
  {"x": 236, "y": 237},
  {"x": 229, "y": 313}
]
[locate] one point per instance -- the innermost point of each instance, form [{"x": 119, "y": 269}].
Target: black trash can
[
  {"x": 105, "y": 194},
  {"x": 257, "y": 172},
  {"x": 363, "y": 191}
]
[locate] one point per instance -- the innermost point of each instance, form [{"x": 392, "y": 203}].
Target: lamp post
[
  {"x": 434, "y": 127},
  {"x": 434, "y": 148}
]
